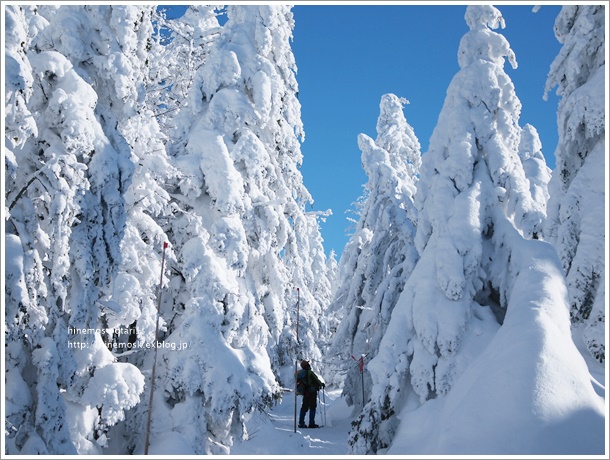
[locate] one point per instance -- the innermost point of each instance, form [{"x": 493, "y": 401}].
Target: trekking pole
[
  {"x": 324, "y": 404},
  {"x": 152, "y": 377},
  {"x": 296, "y": 384},
  {"x": 362, "y": 376},
  {"x": 321, "y": 415}
]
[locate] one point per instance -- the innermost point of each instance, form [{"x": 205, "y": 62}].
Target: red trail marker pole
[
  {"x": 361, "y": 369},
  {"x": 296, "y": 361},
  {"x": 152, "y": 378}
]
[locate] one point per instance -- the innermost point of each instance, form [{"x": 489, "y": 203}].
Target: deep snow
[{"x": 272, "y": 433}]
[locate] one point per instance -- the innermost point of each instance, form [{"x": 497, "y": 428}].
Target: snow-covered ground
[
  {"x": 273, "y": 433},
  {"x": 598, "y": 371}
]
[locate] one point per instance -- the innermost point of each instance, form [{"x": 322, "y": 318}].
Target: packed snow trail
[{"x": 272, "y": 433}]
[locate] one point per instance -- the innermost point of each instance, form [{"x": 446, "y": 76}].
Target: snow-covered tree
[
  {"x": 534, "y": 165},
  {"x": 576, "y": 223},
  {"x": 475, "y": 211},
  {"x": 380, "y": 255},
  {"x": 240, "y": 240},
  {"x": 332, "y": 270},
  {"x": 68, "y": 218},
  {"x": 178, "y": 48}
]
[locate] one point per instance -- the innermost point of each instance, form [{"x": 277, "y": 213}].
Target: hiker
[{"x": 308, "y": 385}]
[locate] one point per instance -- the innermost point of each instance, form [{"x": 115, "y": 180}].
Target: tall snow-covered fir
[
  {"x": 536, "y": 170},
  {"x": 68, "y": 168},
  {"x": 576, "y": 207},
  {"x": 380, "y": 254}
]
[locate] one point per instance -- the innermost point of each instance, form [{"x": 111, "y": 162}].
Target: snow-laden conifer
[
  {"x": 67, "y": 223},
  {"x": 177, "y": 49},
  {"x": 19, "y": 121},
  {"x": 577, "y": 189},
  {"x": 241, "y": 240},
  {"x": 472, "y": 191},
  {"x": 534, "y": 165},
  {"x": 380, "y": 254}
]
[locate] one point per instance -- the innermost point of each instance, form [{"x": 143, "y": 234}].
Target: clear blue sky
[{"x": 349, "y": 55}]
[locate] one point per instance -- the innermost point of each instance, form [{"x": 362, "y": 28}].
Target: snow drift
[{"x": 529, "y": 392}]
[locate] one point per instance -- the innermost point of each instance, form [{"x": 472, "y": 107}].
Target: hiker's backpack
[{"x": 302, "y": 383}]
